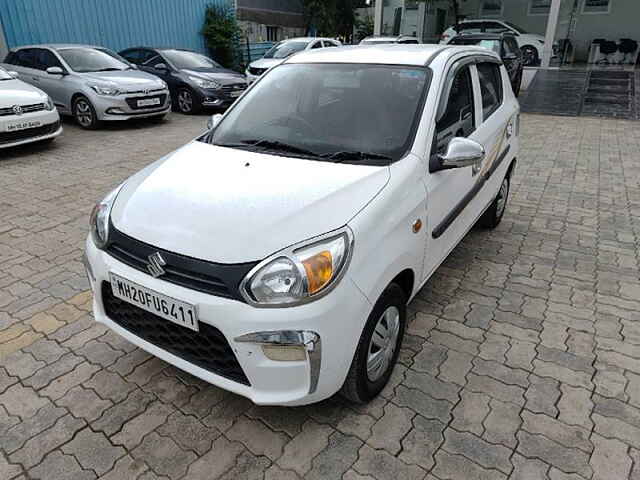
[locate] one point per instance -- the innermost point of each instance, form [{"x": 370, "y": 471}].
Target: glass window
[
  {"x": 26, "y": 58},
  {"x": 511, "y": 47},
  {"x": 81, "y": 59},
  {"x": 285, "y": 49},
  {"x": 490, "y": 87},
  {"x": 329, "y": 44},
  {"x": 596, "y": 6},
  {"x": 318, "y": 44},
  {"x": 45, "y": 59},
  {"x": 491, "y": 8},
  {"x": 272, "y": 34},
  {"x": 458, "y": 118},
  {"x": 154, "y": 61},
  {"x": 355, "y": 112},
  {"x": 184, "y": 59},
  {"x": 539, "y": 7},
  {"x": 494, "y": 27},
  {"x": 137, "y": 56},
  {"x": 517, "y": 28},
  {"x": 470, "y": 27}
]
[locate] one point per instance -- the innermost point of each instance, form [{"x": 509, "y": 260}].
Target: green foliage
[
  {"x": 222, "y": 34},
  {"x": 364, "y": 27},
  {"x": 331, "y": 18}
]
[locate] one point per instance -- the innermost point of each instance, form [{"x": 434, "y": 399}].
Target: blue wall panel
[{"x": 115, "y": 24}]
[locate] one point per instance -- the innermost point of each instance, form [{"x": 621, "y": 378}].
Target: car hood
[
  {"x": 124, "y": 79},
  {"x": 15, "y": 92},
  {"x": 232, "y": 206},
  {"x": 223, "y": 76},
  {"x": 532, "y": 36},
  {"x": 267, "y": 62}
]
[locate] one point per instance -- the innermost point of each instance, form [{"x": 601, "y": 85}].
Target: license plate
[
  {"x": 161, "y": 305},
  {"x": 14, "y": 127},
  {"x": 236, "y": 93},
  {"x": 148, "y": 102}
]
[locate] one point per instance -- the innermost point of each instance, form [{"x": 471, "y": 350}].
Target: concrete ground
[{"x": 522, "y": 359}]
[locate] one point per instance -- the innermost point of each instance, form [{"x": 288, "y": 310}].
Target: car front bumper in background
[
  {"x": 124, "y": 107},
  {"x": 49, "y": 127},
  {"x": 326, "y": 331}
]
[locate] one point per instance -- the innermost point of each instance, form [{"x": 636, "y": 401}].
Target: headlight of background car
[
  {"x": 299, "y": 274},
  {"x": 201, "y": 82},
  {"x": 99, "y": 220},
  {"x": 108, "y": 91},
  {"x": 49, "y": 104}
]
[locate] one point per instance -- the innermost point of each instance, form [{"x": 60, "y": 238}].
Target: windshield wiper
[
  {"x": 278, "y": 146},
  {"x": 109, "y": 69},
  {"x": 349, "y": 156}
]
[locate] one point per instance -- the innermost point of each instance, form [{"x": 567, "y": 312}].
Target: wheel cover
[
  {"x": 383, "y": 343},
  {"x": 185, "y": 101},
  {"x": 501, "y": 200},
  {"x": 84, "y": 115},
  {"x": 529, "y": 55}
]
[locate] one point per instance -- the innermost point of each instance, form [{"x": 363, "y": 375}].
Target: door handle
[{"x": 35, "y": 78}]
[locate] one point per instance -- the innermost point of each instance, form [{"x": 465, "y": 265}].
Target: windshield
[
  {"x": 84, "y": 60},
  {"x": 4, "y": 75},
  {"x": 337, "y": 112},
  {"x": 517, "y": 28},
  {"x": 189, "y": 60},
  {"x": 285, "y": 49},
  {"x": 490, "y": 44},
  {"x": 376, "y": 42}
]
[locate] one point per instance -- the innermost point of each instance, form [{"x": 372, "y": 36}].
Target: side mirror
[
  {"x": 13, "y": 74},
  {"x": 161, "y": 66},
  {"x": 213, "y": 121},
  {"x": 462, "y": 152},
  {"x": 55, "y": 71}
]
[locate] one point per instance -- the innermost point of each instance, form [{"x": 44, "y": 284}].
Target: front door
[{"x": 448, "y": 219}]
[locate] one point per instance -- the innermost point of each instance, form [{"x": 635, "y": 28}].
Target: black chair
[
  {"x": 607, "y": 49},
  {"x": 628, "y": 48}
]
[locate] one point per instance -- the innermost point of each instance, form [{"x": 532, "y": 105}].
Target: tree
[
  {"x": 331, "y": 18},
  {"x": 222, "y": 34}
]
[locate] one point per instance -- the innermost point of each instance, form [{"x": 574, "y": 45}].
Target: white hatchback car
[
  {"x": 275, "y": 255},
  {"x": 27, "y": 114}
]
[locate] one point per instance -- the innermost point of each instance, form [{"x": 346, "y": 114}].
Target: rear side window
[
  {"x": 495, "y": 27},
  {"x": 490, "y": 87},
  {"x": 25, "y": 58},
  {"x": 470, "y": 27}
]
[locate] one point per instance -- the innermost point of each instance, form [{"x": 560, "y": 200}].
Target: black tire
[
  {"x": 84, "y": 113},
  {"x": 530, "y": 56},
  {"x": 358, "y": 387},
  {"x": 492, "y": 217},
  {"x": 187, "y": 102}
]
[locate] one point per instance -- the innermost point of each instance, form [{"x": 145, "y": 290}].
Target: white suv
[
  {"x": 27, "y": 114},
  {"x": 275, "y": 255},
  {"x": 530, "y": 44}
]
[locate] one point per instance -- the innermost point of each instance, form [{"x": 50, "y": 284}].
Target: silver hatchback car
[{"x": 91, "y": 83}]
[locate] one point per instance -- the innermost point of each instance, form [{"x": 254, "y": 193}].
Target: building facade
[{"x": 271, "y": 20}]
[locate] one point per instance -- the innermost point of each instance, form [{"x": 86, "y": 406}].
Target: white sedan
[
  {"x": 275, "y": 255},
  {"x": 27, "y": 114}
]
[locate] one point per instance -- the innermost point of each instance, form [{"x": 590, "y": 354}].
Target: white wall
[{"x": 3, "y": 45}]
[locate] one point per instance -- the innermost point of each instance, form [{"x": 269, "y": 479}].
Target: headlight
[
  {"x": 201, "y": 82},
  {"x": 49, "y": 104},
  {"x": 99, "y": 221},
  {"x": 107, "y": 91},
  {"x": 164, "y": 84},
  {"x": 301, "y": 273}
]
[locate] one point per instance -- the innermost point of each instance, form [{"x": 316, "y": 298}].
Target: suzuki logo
[
  {"x": 17, "y": 109},
  {"x": 156, "y": 262}
]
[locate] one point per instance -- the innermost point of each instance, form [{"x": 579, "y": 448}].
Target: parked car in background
[
  {"x": 91, "y": 83},
  {"x": 195, "y": 80},
  {"x": 283, "y": 50},
  {"x": 382, "y": 39},
  {"x": 531, "y": 44},
  {"x": 275, "y": 255},
  {"x": 505, "y": 45},
  {"x": 27, "y": 114}
]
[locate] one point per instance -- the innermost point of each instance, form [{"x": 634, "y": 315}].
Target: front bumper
[
  {"x": 118, "y": 108},
  {"x": 210, "y": 98},
  {"x": 46, "y": 118},
  {"x": 329, "y": 329}
]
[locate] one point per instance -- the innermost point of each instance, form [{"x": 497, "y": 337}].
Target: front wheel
[
  {"x": 378, "y": 348},
  {"x": 85, "y": 114},
  {"x": 492, "y": 217},
  {"x": 530, "y": 56},
  {"x": 187, "y": 102}
]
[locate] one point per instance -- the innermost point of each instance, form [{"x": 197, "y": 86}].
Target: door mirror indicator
[
  {"x": 462, "y": 152},
  {"x": 55, "y": 71},
  {"x": 214, "y": 120},
  {"x": 13, "y": 74}
]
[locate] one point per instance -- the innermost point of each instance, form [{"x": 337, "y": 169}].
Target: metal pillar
[
  {"x": 552, "y": 25},
  {"x": 377, "y": 24}
]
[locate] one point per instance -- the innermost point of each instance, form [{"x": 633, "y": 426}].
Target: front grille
[
  {"x": 133, "y": 102},
  {"x": 257, "y": 71},
  {"x": 144, "y": 92},
  {"x": 234, "y": 88},
  {"x": 219, "y": 279},
  {"x": 36, "y": 107},
  {"x": 207, "y": 348},
  {"x": 10, "y": 137}
]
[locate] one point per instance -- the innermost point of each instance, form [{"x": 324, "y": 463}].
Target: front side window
[
  {"x": 285, "y": 49},
  {"x": 490, "y": 87},
  {"x": 337, "y": 112},
  {"x": 458, "y": 118},
  {"x": 45, "y": 59},
  {"x": 83, "y": 60},
  {"x": 318, "y": 44},
  {"x": 182, "y": 59}
]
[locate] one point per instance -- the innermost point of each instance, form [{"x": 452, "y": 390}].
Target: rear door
[
  {"x": 54, "y": 85},
  {"x": 23, "y": 62}
]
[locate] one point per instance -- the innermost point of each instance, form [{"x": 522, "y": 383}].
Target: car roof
[
  {"x": 159, "y": 49},
  {"x": 469, "y": 20},
  {"x": 391, "y": 38},
  {"x": 58, "y": 46},
  {"x": 305, "y": 39},
  {"x": 483, "y": 36},
  {"x": 385, "y": 54}
]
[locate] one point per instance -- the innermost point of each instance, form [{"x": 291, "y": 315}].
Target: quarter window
[
  {"x": 490, "y": 87},
  {"x": 458, "y": 118}
]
